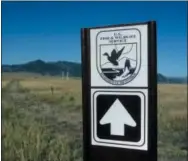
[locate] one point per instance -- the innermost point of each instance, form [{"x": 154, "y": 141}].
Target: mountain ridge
[{"x": 73, "y": 68}]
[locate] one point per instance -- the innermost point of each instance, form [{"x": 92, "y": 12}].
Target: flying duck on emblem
[{"x": 114, "y": 56}]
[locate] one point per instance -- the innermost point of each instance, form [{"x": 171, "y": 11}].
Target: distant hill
[
  {"x": 178, "y": 80},
  {"x": 74, "y": 69},
  {"x": 46, "y": 68},
  {"x": 161, "y": 78}
]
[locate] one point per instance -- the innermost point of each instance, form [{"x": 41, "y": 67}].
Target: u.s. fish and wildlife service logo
[{"x": 118, "y": 55}]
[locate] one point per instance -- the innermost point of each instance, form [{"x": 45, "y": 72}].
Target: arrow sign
[{"x": 117, "y": 116}]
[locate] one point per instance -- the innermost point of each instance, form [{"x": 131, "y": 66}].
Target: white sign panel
[{"x": 119, "y": 56}]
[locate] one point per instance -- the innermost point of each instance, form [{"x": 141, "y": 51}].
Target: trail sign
[{"x": 120, "y": 92}]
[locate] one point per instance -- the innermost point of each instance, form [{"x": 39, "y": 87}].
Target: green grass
[{"x": 39, "y": 126}]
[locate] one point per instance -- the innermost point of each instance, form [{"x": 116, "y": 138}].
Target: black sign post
[{"x": 119, "y": 89}]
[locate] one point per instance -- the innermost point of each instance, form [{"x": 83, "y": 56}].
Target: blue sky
[{"x": 51, "y": 30}]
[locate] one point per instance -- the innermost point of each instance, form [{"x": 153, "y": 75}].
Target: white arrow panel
[{"x": 117, "y": 125}]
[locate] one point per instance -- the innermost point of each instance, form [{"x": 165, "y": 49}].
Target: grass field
[{"x": 39, "y": 126}]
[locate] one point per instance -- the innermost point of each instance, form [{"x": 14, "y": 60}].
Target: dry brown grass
[
  {"x": 172, "y": 108},
  {"x": 42, "y": 87},
  {"x": 174, "y": 99},
  {"x": 4, "y": 83}
]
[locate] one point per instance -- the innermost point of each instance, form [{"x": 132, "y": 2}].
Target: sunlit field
[{"x": 42, "y": 119}]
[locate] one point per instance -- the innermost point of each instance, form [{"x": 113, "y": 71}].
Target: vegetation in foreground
[
  {"x": 39, "y": 126},
  {"x": 34, "y": 130}
]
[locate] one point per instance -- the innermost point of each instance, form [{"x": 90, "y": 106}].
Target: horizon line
[{"x": 47, "y": 61}]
